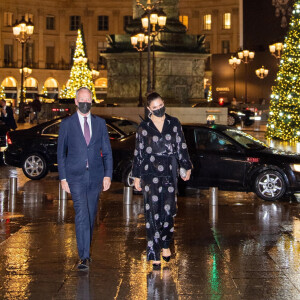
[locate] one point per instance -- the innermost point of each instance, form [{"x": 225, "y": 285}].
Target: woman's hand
[
  {"x": 188, "y": 175},
  {"x": 137, "y": 184}
]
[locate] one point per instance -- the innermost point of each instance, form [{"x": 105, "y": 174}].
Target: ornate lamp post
[
  {"x": 262, "y": 73},
  {"x": 234, "y": 63},
  {"x": 276, "y": 50},
  {"x": 151, "y": 17},
  {"x": 140, "y": 42},
  {"x": 95, "y": 74},
  {"x": 246, "y": 57},
  {"x": 22, "y": 31}
]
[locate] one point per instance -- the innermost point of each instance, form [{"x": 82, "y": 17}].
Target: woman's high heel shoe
[{"x": 166, "y": 258}]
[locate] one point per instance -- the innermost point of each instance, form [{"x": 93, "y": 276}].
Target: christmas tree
[
  {"x": 2, "y": 93},
  {"x": 284, "y": 117},
  {"x": 81, "y": 75}
]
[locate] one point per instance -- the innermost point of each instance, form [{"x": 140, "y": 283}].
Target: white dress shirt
[{"x": 81, "y": 121}]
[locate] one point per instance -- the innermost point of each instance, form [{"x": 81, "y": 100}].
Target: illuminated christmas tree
[
  {"x": 284, "y": 118},
  {"x": 81, "y": 75},
  {"x": 2, "y": 93}
]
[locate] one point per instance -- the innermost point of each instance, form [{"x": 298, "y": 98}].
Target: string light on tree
[
  {"x": 2, "y": 93},
  {"x": 284, "y": 119},
  {"x": 81, "y": 74},
  {"x": 209, "y": 95}
]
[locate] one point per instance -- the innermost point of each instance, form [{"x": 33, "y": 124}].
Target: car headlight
[
  {"x": 296, "y": 167},
  {"x": 240, "y": 114}
]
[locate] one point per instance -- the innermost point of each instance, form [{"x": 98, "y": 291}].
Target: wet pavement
[{"x": 244, "y": 248}]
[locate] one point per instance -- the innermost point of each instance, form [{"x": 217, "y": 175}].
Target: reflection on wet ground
[{"x": 244, "y": 248}]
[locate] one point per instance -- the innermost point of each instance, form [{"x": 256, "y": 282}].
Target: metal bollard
[
  {"x": 127, "y": 195},
  {"x": 63, "y": 195},
  {"x": 213, "y": 196},
  {"x": 13, "y": 184}
]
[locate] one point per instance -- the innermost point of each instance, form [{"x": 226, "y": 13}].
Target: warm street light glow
[
  {"x": 234, "y": 63},
  {"x": 262, "y": 72},
  {"x": 27, "y": 71},
  {"x": 246, "y": 57},
  {"x": 23, "y": 31},
  {"x": 276, "y": 50}
]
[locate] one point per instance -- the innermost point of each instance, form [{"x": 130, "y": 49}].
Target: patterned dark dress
[{"x": 156, "y": 159}]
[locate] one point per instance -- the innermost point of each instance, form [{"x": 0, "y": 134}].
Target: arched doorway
[
  {"x": 31, "y": 86},
  {"x": 101, "y": 88},
  {"x": 10, "y": 89},
  {"x": 51, "y": 88}
]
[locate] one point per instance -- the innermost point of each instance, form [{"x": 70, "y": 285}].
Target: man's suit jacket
[
  {"x": 9, "y": 120},
  {"x": 73, "y": 153}
]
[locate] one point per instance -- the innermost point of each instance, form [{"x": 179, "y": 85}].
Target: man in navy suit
[{"x": 85, "y": 165}]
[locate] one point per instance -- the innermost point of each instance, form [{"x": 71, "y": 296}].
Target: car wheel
[
  {"x": 231, "y": 121},
  {"x": 270, "y": 185},
  {"x": 128, "y": 179},
  {"x": 34, "y": 166}
]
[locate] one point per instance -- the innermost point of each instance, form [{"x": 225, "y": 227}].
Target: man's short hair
[{"x": 84, "y": 89}]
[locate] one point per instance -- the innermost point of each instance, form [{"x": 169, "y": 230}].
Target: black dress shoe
[
  {"x": 83, "y": 264},
  {"x": 156, "y": 266},
  {"x": 166, "y": 258}
]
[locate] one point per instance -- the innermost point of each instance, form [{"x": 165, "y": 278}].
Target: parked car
[
  {"x": 235, "y": 116},
  {"x": 233, "y": 160},
  {"x": 35, "y": 149},
  {"x": 222, "y": 157}
]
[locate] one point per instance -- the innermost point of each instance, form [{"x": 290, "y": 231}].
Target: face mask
[
  {"x": 159, "y": 112},
  {"x": 84, "y": 107}
]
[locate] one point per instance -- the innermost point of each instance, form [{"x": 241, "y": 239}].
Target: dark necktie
[{"x": 87, "y": 134}]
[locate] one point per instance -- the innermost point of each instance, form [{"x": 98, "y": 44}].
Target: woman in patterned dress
[{"x": 160, "y": 147}]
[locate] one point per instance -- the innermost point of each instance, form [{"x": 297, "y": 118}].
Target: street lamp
[
  {"x": 158, "y": 19},
  {"x": 234, "y": 63},
  {"x": 246, "y": 57},
  {"x": 276, "y": 50},
  {"x": 262, "y": 73},
  {"x": 140, "y": 42},
  {"x": 22, "y": 31}
]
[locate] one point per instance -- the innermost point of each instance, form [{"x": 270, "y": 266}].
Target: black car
[
  {"x": 35, "y": 149},
  {"x": 222, "y": 157},
  {"x": 236, "y": 115},
  {"x": 233, "y": 160}
]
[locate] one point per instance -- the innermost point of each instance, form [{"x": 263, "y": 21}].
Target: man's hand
[
  {"x": 65, "y": 185},
  {"x": 106, "y": 183},
  {"x": 137, "y": 184},
  {"x": 188, "y": 175}
]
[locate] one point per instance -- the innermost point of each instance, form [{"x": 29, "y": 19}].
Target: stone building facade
[{"x": 50, "y": 50}]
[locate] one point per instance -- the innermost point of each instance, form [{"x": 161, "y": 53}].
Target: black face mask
[
  {"x": 84, "y": 107},
  {"x": 159, "y": 112}
]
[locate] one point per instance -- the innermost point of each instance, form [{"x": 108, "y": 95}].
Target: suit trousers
[{"x": 85, "y": 196}]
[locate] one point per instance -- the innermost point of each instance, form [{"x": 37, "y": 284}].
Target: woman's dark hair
[{"x": 152, "y": 96}]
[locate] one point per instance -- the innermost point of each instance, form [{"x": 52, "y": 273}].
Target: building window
[
  {"x": 225, "y": 47},
  {"x": 8, "y": 55},
  {"x": 29, "y": 55},
  {"x": 50, "y": 57},
  {"x": 74, "y": 23},
  {"x": 102, "y": 64},
  {"x": 72, "y": 48},
  {"x": 8, "y": 18},
  {"x": 28, "y": 17},
  {"x": 127, "y": 21},
  {"x": 50, "y": 23},
  {"x": 184, "y": 20},
  {"x": 227, "y": 21},
  {"x": 102, "y": 22},
  {"x": 207, "y": 22}
]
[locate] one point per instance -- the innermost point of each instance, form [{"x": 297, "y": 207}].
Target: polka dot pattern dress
[{"x": 156, "y": 158}]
